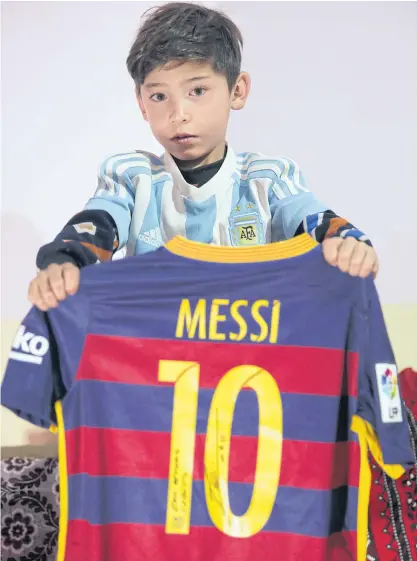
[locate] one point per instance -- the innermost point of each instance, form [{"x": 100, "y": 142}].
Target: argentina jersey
[{"x": 252, "y": 200}]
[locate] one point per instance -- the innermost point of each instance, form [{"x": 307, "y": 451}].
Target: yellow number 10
[{"x": 185, "y": 376}]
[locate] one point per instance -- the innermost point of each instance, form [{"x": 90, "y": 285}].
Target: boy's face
[{"x": 187, "y": 106}]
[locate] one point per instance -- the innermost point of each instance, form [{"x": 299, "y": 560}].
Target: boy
[{"x": 185, "y": 63}]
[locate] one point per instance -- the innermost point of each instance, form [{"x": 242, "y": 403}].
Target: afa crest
[{"x": 246, "y": 229}]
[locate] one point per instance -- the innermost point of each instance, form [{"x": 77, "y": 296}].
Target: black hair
[{"x": 181, "y": 31}]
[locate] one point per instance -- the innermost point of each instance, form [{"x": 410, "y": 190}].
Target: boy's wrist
[
  {"x": 60, "y": 252},
  {"x": 55, "y": 258},
  {"x": 351, "y": 233}
]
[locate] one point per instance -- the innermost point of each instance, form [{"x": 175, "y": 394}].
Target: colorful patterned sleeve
[
  {"x": 90, "y": 236},
  {"x": 327, "y": 224},
  {"x": 103, "y": 226}
]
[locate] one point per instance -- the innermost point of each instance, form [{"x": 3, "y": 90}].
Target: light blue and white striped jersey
[{"x": 252, "y": 200}]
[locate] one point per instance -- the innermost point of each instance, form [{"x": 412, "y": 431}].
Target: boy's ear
[
  {"x": 240, "y": 91},
  {"x": 140, "y": 103}
]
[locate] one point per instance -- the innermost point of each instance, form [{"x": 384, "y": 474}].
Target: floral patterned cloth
[
  {"x": 30, "y": 509},
  {"x": 393, "y": 504}
]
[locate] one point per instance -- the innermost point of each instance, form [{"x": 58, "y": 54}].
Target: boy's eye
[
  {"x": 158, "y": 97},
  {"x": 199, "y": 91}
]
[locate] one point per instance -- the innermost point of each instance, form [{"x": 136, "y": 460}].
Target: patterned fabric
[
  {"x": 323, "y": 225},
  {"x": 393, "y": 504},
  {"x": 89, "y": 236},
  {"x": 30, "y": 509}
]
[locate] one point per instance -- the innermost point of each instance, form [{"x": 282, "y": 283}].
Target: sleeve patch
[{"x": 389, "y": 395}]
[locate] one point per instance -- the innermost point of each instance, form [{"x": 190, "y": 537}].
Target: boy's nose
[{"x": 179, "y": 114}]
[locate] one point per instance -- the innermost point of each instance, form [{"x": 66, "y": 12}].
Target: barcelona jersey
[{"x": 214, "y": 404}]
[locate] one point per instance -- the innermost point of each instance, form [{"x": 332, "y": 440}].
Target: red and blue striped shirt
[{"x": 209, "y": 410}]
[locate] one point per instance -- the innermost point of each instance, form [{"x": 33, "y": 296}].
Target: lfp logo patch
[
  {"x": 389, "y": 383},
  {"x": 389, "y": 394}
]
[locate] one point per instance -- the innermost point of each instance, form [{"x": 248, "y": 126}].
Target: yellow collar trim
[{"x": 226, "y": 254}]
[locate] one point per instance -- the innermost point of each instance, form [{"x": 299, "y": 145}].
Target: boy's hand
[
  {"x": 351, "y": 256},
  {"x": 53, "y": 284}
]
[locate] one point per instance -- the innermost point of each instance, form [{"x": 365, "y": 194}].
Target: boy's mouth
[{"x": 183, "y": 138}]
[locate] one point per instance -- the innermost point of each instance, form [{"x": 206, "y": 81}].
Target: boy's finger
[
  {"x": 56, "y": 281},
  {"x": 45, "y": 290},
  {"x": 367, "y": 265},
  {"x": 33, "y": 292},
  {"x": 35, "y": 296},
  {"x": 331, "y": 249},
  {"x": 345, "y": 254},
  {"x": 375, "y": 268},
  {"x": 357, "y": 259},
  {"x": 71, "y": 275}
]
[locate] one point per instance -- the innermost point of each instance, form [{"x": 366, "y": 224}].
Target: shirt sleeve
[
  {"x": 90, "y": 236},
  {"x": 94, "y": 234},
  {"x": 116, "y": 191},
  {"x": 328, "y": 224},
  {"x": 290, "y": 201},
  {"x": 380, "y": 403},
  {"x": 43, "y": 360}
]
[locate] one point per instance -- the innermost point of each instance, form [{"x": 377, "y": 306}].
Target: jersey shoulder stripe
[{"x": 284, "y": 173}]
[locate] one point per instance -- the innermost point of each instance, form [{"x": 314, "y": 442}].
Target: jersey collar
[
  {"x": 226, "y": 254},
  {"x": 218, "y": 183}
]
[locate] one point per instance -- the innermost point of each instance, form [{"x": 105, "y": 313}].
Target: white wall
[{"x": 334, "y": 87}]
